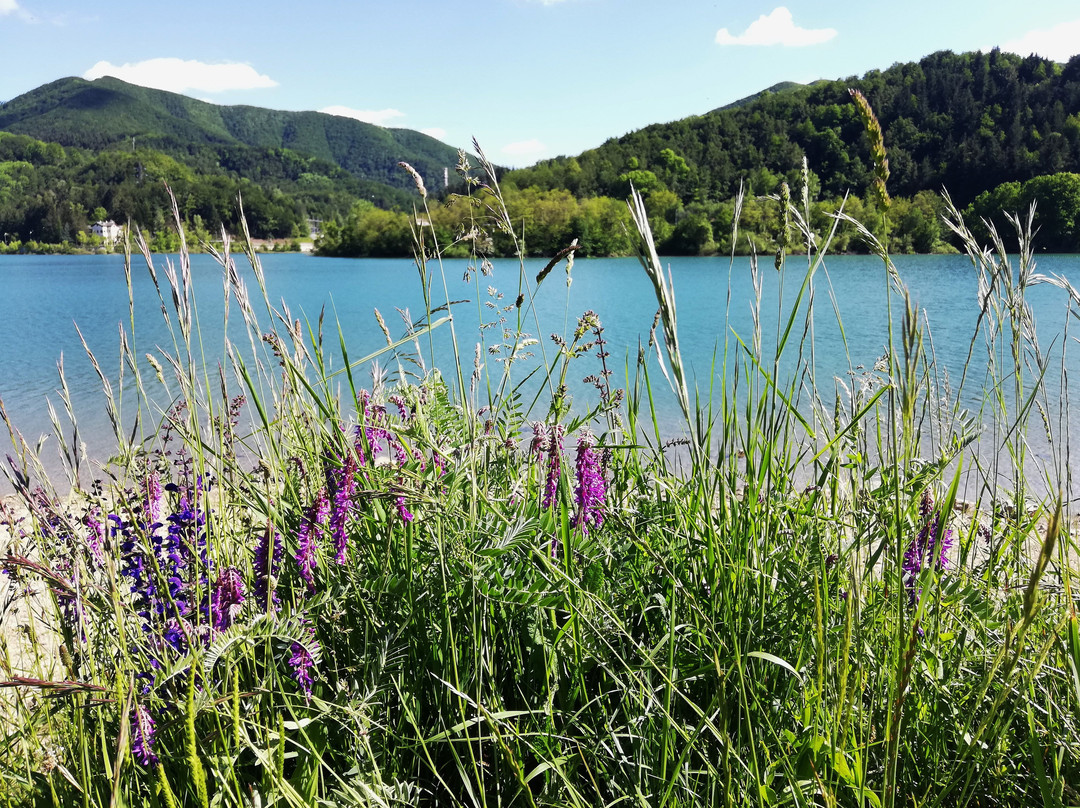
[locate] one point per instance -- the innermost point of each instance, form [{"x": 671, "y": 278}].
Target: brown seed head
[{"x": 416, "y": 178}]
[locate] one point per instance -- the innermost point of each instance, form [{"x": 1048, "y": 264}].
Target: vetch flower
[
  {"x": 228, "y": 598},
  {"x": 155, "y": 499},
  {"x": 302, "y": 664},
  {"x": 307, "y": 540},
  {"x": 142, "y": 736},
  {"x": 403, "y": 511},
  {"x": 266, "y": 565},
  {"x": 96, "y": 538},
  {"x": 554, "y": 464},
  {"x": 344, "y": 487},
  {"x": 538, "y": 445},
  {"x": 590, "y": 487},
  {"x": 926, "y": 548}
]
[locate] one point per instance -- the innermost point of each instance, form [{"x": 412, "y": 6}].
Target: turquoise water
[{"x": 44, "y": 298}]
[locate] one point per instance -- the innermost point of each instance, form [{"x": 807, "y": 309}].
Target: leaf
[{"x": 776, "y": 661}]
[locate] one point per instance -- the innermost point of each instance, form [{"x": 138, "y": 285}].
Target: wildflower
[
  {"x": 926, "y": 549},
  {"x": 554, "y": 464},
  {"x": 96, "y": 539},
  {"x": 590, "y": 488},
  {"x": 302, "y": 663},
  {"x": 404, "y": 411},
  {"x": 188, "y": 559},
  {"x": 345, "y": 486},
  {"x": 373, "y": 432},
  {"x": 307, "y": 541},
  {"x": 539, "y": 439},
  {"x": 228, "y": 598},
  {"x": 142, "y": 738},
  {"x": 155, "y": 499},
  {"x": 266, "y": 564},
  {"x": 403, "y": 511}
]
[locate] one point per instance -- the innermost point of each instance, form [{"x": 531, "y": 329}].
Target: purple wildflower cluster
[
  {"x": 267, "y": 566},
  {"x": 344, "y": 484},
  {"x": 168, "y": 566},
  {"x": 95, "y": 539},
  {"x": 302, "y": 663},
  {"x": 403, "y": 511},
  {"x": 142, "y": 736},
  {"x": 590, "y": 487},
  {"x": 926, "y": 549},
  {"x": 547, "y": 446},
  {"x": 228, "y": 598},
  {"x": 307, "y": 538},
  {"x": 376, "y": 434},
  {"x": 374, "y": 431}
]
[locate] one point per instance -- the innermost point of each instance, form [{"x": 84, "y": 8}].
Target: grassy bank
[{"x": 398, "y": 586}]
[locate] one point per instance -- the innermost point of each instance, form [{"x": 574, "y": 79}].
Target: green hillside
[
  {"x": 74, "y": 150},
  {"x": 776, "y": 88},
  {"x": 966, "y": 122},
  {"x": 108, "y": 113}
]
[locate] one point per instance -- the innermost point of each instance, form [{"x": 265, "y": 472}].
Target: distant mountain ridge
[
  {"x": 779, "y": 87},
  {"x": 966, "y": 122},
  {"x": 107, "y": 113}
]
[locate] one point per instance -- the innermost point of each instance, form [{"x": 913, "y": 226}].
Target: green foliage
[
  {"x": 966, "y": 122},
  {"x": 123, "y": 143},
  {"x": 1056, "y": 198},
  {"x": 108, "y": 114},
  {"x": 367, "y": 232}
]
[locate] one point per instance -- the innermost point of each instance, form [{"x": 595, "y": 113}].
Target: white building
[{"x": 109, "y": 231}]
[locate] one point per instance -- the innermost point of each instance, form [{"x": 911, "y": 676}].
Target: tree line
[{"x": 50, "y": 195}]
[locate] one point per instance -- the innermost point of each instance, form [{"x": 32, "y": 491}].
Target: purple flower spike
[
  {"x": 345, "y": 487},
  {"x": 590, "y": 488},
  {"x": 403, "y": 511},
  {"x": 554, "y": 465},
  {"x": 96, "y": 539},
  {"x": 302, "y": 664},
  {"x": 142, "y": 737},
  {"x": 155, "y": 500},
  {"x": 927, "y": 548},
  {"x": 228, "y": 598},
  {"x": 538, "y": 445},
  {"x": 308, "y": 541},
  {"x": 404, "y": 412},
  {"x": 267, "y": 565}
]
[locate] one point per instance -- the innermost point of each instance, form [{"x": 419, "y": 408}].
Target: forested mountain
[
  {"x": 50, "y": 194},
  {"x": 74, "y": 150},
  {"x": 108, "y": 113},
  {"x": 966, "y": 122},
  {"x": 994, "y": 129}
]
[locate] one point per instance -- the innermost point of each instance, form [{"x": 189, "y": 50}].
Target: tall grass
[{"x": 300, "y": 586}]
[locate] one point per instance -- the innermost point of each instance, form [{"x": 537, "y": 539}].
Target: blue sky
[{"x": 528, "y": 78}]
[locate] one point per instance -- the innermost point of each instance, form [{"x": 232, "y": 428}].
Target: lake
[{"x": 44, "y": 298}]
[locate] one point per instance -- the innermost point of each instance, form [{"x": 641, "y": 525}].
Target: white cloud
[
  {"x": 1059, "y": 43},
  {"x": 8, "y": 6},
  {"x": 777, "y": 28},
  {"x": 379, "y": 117},
  {"x": 524, "y": 148},
  {"x": 436, "y": 132},
  {"x": 184, "y": 75}
]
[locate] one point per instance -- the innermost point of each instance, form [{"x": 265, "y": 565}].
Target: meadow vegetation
[{"x": 317, "y": 581}]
